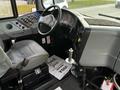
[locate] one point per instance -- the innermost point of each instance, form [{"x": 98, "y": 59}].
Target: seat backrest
[
  {"x": 5, "y": 62},
  {"x": 1, "y": 44}
]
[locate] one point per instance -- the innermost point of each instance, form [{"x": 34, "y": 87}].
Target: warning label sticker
[{"x": 58, "y": 67}]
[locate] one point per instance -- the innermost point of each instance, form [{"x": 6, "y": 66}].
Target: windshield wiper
[{"x": 118, "y": 18}]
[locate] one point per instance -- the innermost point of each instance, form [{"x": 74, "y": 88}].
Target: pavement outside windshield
[{"x": 107, "y": 9}]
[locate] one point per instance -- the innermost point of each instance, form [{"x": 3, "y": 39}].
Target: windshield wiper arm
[{"x": 118, "y": 18}]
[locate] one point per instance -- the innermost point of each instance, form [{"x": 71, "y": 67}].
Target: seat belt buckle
[
  {"x": 20, "y": 84},
  {"x": 20, "y": 81}
]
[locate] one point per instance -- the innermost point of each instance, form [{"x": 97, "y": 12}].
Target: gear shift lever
[
  {"x": 19, "y": 68},
  {"x": 70, "y": 60}
]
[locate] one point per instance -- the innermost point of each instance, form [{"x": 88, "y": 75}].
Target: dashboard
[
  {"x": 21, "y": 26},
  {"x": 28, "y": 20},
  {"x": 27, "y": 24},
  {"x": 68, "y": 19}
]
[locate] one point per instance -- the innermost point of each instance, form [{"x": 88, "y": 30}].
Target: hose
[{"x": 117, "y": 86}]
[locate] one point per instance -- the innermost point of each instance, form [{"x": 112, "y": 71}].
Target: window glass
[
  {"x": 47, "y": 3},
  {"x": 94, "y": 8},
  {"x": 59, "y": 1},
  {"x": 25, "y": 6},
  {"x": 5, "y": 9}
]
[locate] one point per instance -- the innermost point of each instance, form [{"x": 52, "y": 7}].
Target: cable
[
  {"x": 97, "y": 77},
  {"x": 117, "y": 86}
]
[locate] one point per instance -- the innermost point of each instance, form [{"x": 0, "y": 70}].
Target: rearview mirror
[
  {"x": 60, "y": 3},
  {"x": 47, "y": 3}
]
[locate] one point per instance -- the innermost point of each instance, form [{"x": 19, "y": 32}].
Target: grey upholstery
[
  {"x": 1, "y": 44},
  {"x": 29, "y": 50},
  {"x": 26, "y": 49},
  {"x": 5, "y": 62}
]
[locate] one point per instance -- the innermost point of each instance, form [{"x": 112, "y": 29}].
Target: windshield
[
  {"x": 92, "y": 8},
  {"x": 25, "y": 6},
  {"x": 5, "y": 9},
  {"x": 96, "y": 7}
]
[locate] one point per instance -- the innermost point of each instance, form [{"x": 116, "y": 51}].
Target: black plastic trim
[
  {"x": 41, "y": 6},
  {"x": 14, "y": 7},
  {"x": 84, "y": 40}
]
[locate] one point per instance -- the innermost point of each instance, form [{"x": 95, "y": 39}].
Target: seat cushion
[{"x": 29, "y": 50}]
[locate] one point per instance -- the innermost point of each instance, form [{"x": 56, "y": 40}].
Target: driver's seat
[{"x": 27, "y": 50}]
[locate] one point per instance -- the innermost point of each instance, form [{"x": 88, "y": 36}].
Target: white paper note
[{"x": 58, "y": 67}]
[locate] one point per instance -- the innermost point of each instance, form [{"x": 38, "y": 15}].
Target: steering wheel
[{"x": 47, "y": 21}]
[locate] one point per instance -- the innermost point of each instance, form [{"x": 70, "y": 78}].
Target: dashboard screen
[{"x": 6, "y": 10}]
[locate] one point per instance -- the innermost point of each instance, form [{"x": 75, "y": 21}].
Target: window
[
  {"x": 25, "y": 6},
  {"x": 6, "y": 9},
  {"x": 59, "y": 1}
]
